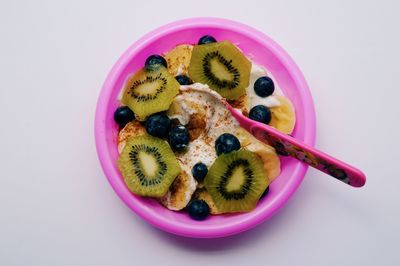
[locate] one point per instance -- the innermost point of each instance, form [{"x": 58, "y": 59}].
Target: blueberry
[
  {"x": 226, "y": 143},
  {"x": 264, "y": 86},
  {"x": 260, "y": 113},
  {"x": 123, "y": 115},
  {"x": 184, "y": 80},
  {"x": 265, "y": 193},
  {"x": 199, "y": 171},
  {"x": 198, "y": 209},
  {"x": 207, "y": 39},
  {"x": 154, "y": 60},
  {"x": 178, "y": 137},
  {"x": 158, "y": 125}
]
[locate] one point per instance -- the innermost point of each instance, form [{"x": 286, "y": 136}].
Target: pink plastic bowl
[{"x": 263, "y": 51}]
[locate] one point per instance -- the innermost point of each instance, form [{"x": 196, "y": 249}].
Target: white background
[{"x": 56, "y": 207}]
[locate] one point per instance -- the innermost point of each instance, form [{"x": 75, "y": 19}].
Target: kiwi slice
[
  {"x": 236, "y": 181},
  {"x": 149, "y": 91},
  {"x": 222, "y": 67},
  {"x": 148, "y": 166}
]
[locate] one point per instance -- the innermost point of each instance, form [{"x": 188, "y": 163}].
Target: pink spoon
[{"x": 289, "y": 146}]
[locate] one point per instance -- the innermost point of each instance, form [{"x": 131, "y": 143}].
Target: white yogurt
[
  {"x": 270, "y": 101},
  {"x": 199, "y": 98}
]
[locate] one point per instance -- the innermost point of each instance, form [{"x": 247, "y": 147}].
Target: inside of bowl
[{"x": 260, "y": 51}]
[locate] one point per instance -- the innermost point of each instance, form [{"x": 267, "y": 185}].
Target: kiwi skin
[
  {"x": 252, "y": 185},
  {"x": 132, "y": 166},
  {"x": 221, "y": 66}
]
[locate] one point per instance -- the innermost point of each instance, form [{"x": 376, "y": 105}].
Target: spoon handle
[{"x": 288, "y": 146}]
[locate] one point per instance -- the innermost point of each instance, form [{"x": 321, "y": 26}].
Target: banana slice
[
  {"x": 180, "y": 192},
  {"x": 283, "y": 116},
  {"x": 178, "y": 59},
  {"x": 133, "y": 128},
  {"x": 202, "y": 194},
  {"x": 244, "y": 137},
  {"x": 272, "y": 164}
]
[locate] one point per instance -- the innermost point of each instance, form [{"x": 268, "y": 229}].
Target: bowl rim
[{"x": 101, "y": 111}]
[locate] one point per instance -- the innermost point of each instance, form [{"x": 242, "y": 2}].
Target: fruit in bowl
[
  {"x": 189, "y": 141},
  {"x": 184, "y": 162}
]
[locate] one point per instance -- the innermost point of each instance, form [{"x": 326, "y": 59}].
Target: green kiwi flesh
[
  {"x": 148, "y": 166},
  {"x": 236, "y": 181},
  {"x": 149, "y": 91},
  {"x": 222, "y": 66}
]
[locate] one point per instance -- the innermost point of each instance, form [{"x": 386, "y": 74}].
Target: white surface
[{"x": 56, "y": 207}]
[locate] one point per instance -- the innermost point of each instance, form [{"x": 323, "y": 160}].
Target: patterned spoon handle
[
  {"x": 289, "y": 146},
  {"x": 286, "y": 145}
]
